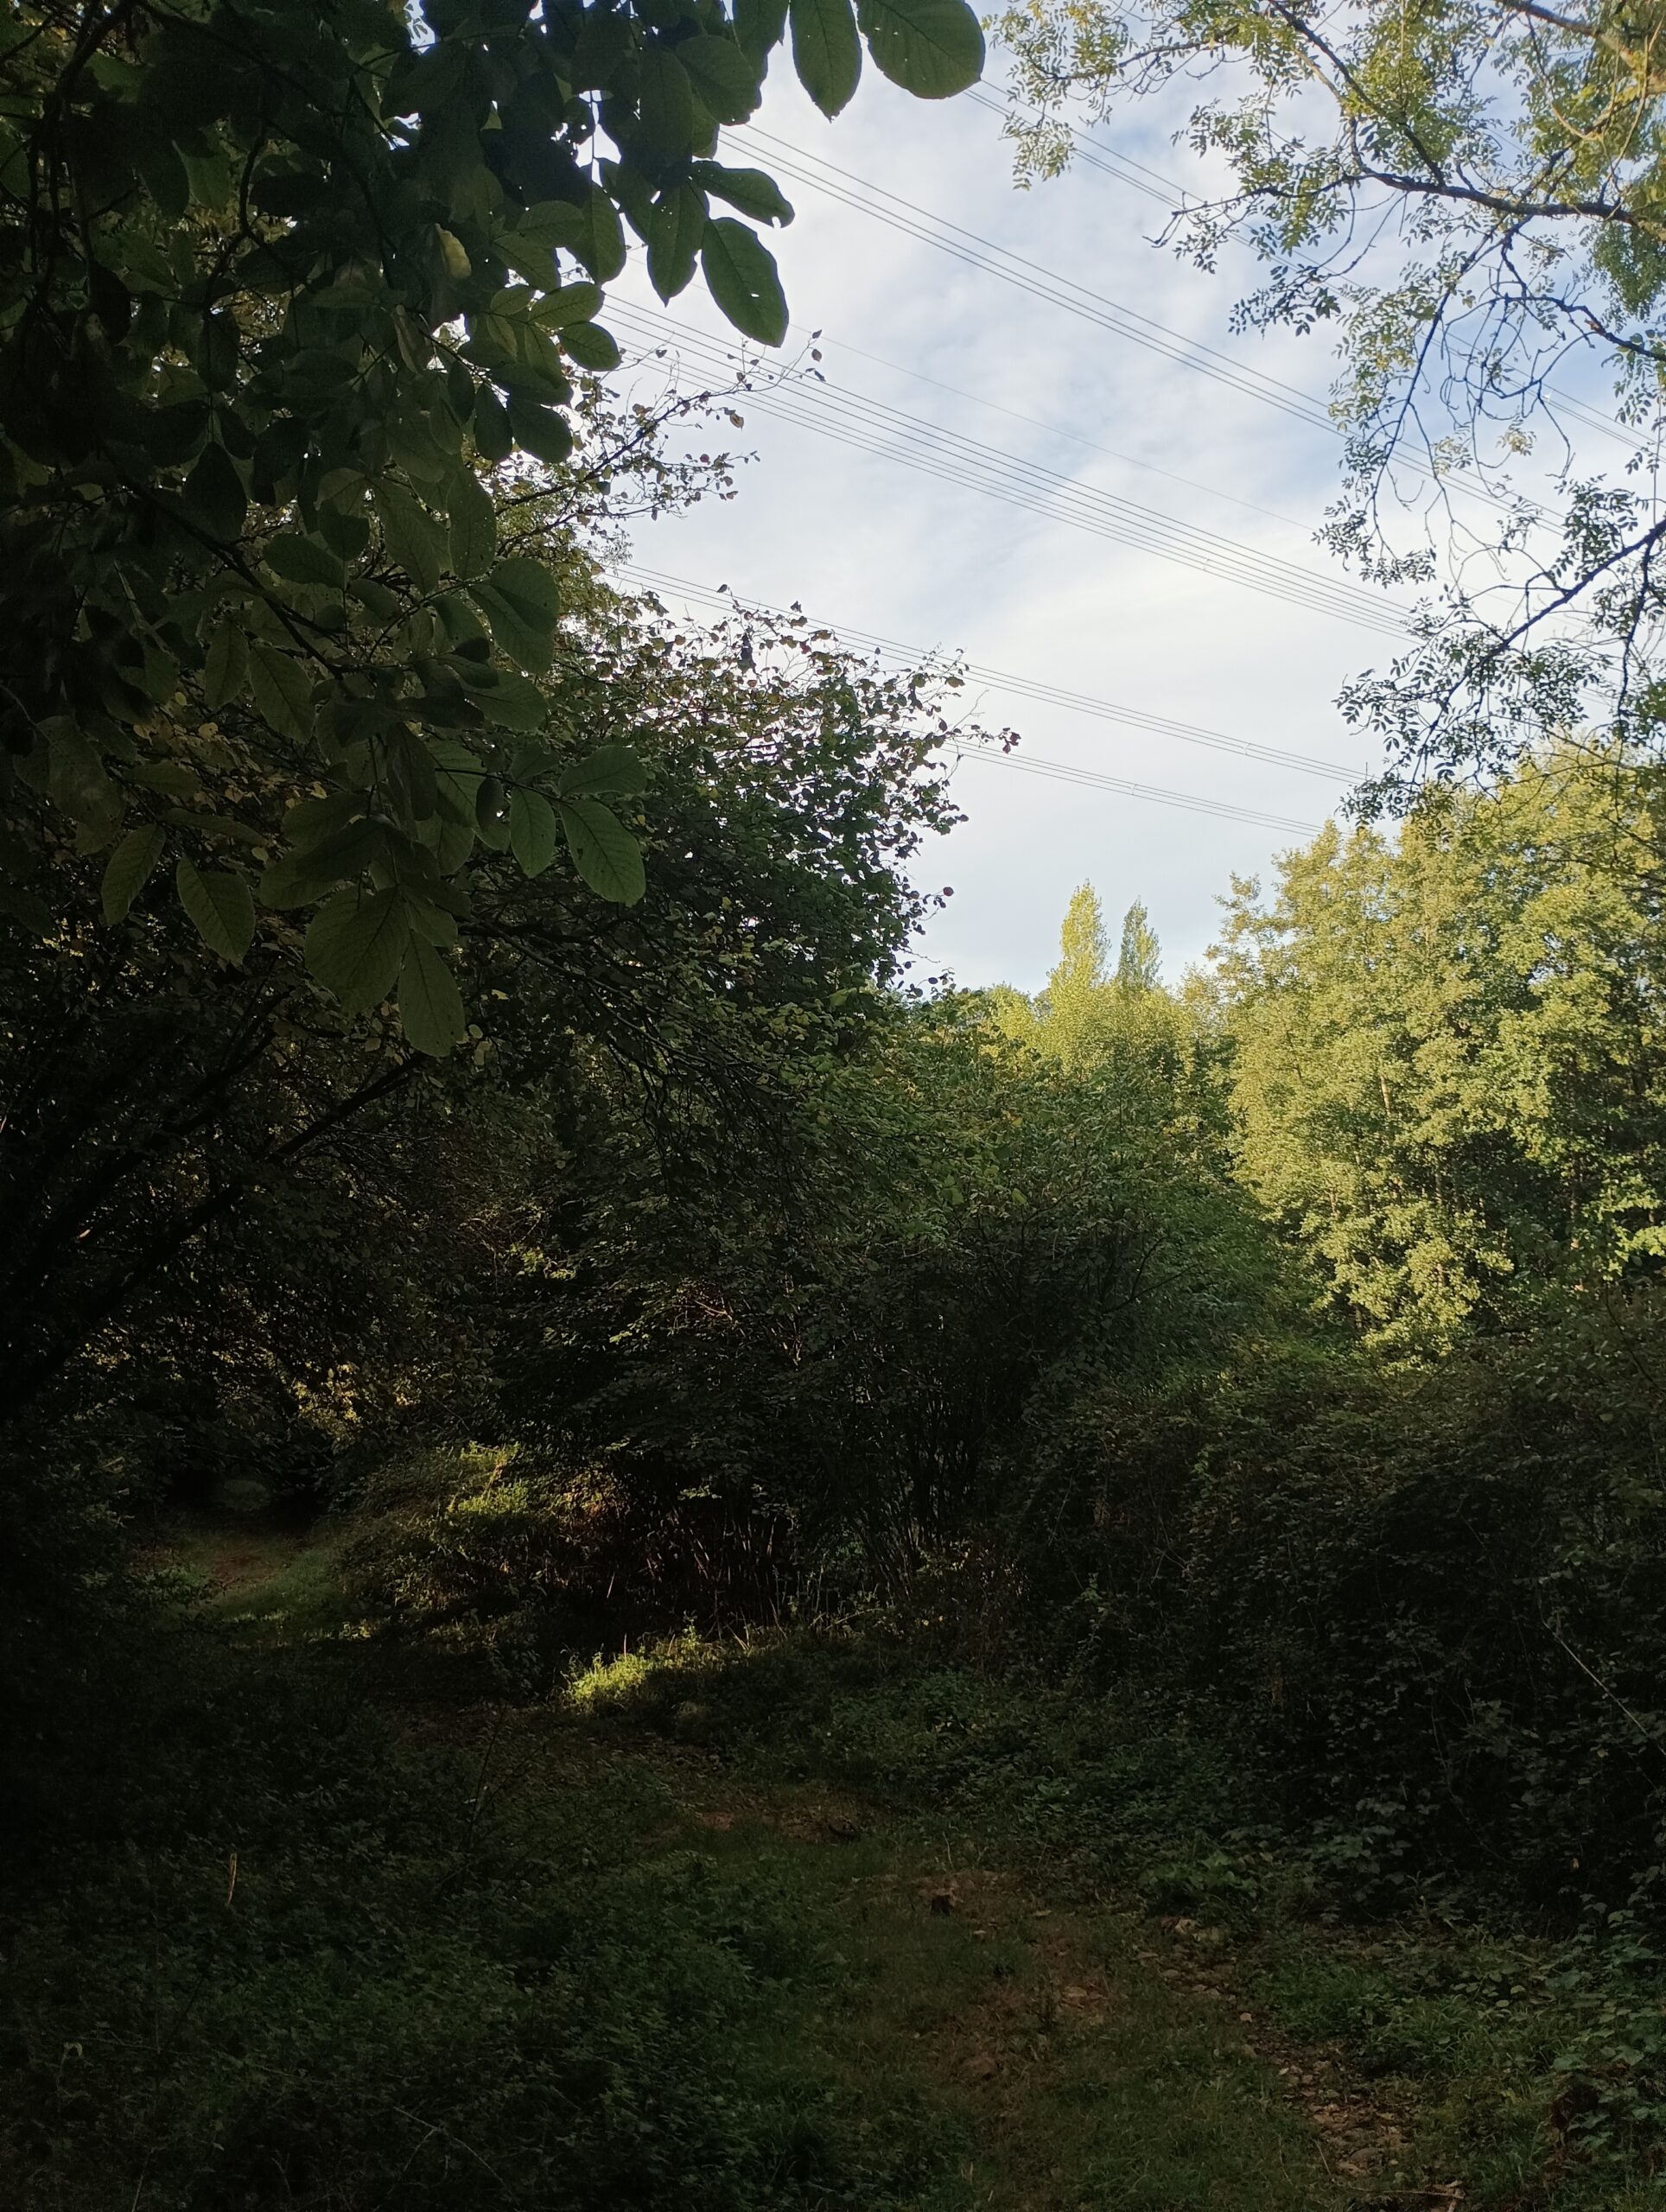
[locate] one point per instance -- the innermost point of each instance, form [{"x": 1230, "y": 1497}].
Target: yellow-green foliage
[{"x": 1450, "y": 1062}]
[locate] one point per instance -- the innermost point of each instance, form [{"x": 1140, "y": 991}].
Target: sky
[{"x": 865, "y": 543}]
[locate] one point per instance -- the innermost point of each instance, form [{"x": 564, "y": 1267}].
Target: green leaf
[
  {"x": 221, "y": 908},
  {"x": 172, "y": 778},
  {"x": 666, "y": 104},
  {"x": 519, "y": 601},
  {"x": 26, "y": 910},
  {"x": 129, "y": 868},
  {"x": 494, "y": 439},
  {"x": 750, "y": 190},
  {"x": 492, "y": 813},
  {"x": 302, "y": 561},
  {"x": 317, "y": 867},
  {"x": 355, "y": 944},
  {"x": 511, "y": 702},
  {"x": 281, "y": 691},
  {"x": 457, "y": 774},
  {"x": 214, "y": 493},
  {"x": 588, "y": 231},
  {"x": 727, "y": 84},
  {"x": 590, "y": 345},
  {"x": 610, "y": 768},
  {"x": 473, "y": 526},
  {"x": 541, "y": 431},
  {"x": 932, "y": 48},
  {"x": 410, "y": 535},
  {"x": 600, "y": 244},
  {"x": 225, "y": 670},
  {"x": 740, "y": 277},
  {"x": 674, "y": 230},
  {"x": 310, "y": 819},
  {"x": 430, "y": 1005},
  {"x": 77, "y": 782},
  {"x": 604, "y": 852},
  {"x": 759, "y": 25},
  {"x": 567, "y": 303},
  {"x": 531, "y": 830},
  {"x": 826, "y": 51}
]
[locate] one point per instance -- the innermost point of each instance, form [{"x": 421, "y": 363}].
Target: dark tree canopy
[{"x": 280, "y": 288}]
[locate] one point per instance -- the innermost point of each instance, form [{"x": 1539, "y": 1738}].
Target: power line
[
  {"x": 1054, "y": 430},
  {"x": 1054, "y": 694},
  {"x": 1023, "y": 687},
  {"x": 893, "y": 434},
  {"x": 1132, "y": 174},
  {"x": 1029, "y": 276},
  {"x": 1176, "y": 197},
  {"x": 1091, "y": 779},
  {"x": 1017, "y": 269}
]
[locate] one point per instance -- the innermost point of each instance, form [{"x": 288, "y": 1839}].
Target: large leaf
[
  {"x": 457, "y": 774},
  {"x": 576, "y": 303},
  {"x": 302, "y": 560},
  {"x": 281, "y": 691},
  {"x": 609, "y": 768},
  {"x": 519, "y": 603},
  {"x": 474, "y": 526},
  {"x": 740, "y": 277},
  {"x": 355, "y": 944},
  {"x": 411, "y": 537},
  {"x": 512, "y": 701},
  {"x": 666, "y": 104},
  {"x": 220, "y": 905},
  {"x": 599, "y": 242},
  {"x": 590, "y": 345},
  {"x": 430, "y": 1005},
  {"x": 674, "y": 230},
  {"x": 531, "y": 830},
  {"x": 604, "y": 852},
  {"x": 339, "y": 856},
  {"x": 728, "y": 84},
  {"x": 751, "y": 191},
  {"x": 214, "y": 493},
  {"x": 932, "y": 48},
  {"x": 129, "y": 870},
  {"x": 544, "y": 432},
  {"x": 759, "y": 25},
  {"x": 826, "y": 51},
  {"x": 226, "y": 668},
  {"x": 78, "y": 781}
]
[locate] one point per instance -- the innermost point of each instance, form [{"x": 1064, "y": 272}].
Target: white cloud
[{"x": 874, "y": 545}]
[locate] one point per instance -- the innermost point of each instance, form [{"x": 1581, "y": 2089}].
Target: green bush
[{"x": 323, "y": 1970}]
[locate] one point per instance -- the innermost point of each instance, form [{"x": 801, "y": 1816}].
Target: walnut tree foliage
[
  {"x": 288, "y": 297},
  {"x": 198, "y": 1162},
  {"x": 1472, "y": 193}
]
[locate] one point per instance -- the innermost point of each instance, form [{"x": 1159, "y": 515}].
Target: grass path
[{"x": 1061, "y": 2058}]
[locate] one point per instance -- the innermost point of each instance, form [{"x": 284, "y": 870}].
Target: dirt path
[
  {"x": 1084, "y": 2058},
  {"x": 1078, "y": 2057}
]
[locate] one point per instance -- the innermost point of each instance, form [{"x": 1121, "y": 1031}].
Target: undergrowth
[
  {"x": 309, "y": 1965},
  {"x": 1532, "y": 2060}
]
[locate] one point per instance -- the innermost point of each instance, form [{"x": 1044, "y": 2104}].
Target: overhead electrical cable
[
  {"x": 1016, "y": 269},
  {"x": 1132, "y": 174},
  {"x": 1058, "y": 772},
  {"x": 1177, "y": 198},
  {"x": 659, "y": 581},
  {"x": 1029, "y": 275},
  {"x": 893, "y": 434},
  {"x": 1052, "y": 429}
]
